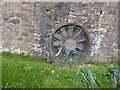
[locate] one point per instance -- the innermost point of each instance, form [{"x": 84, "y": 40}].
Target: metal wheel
[{"x": 69, "y": 45}]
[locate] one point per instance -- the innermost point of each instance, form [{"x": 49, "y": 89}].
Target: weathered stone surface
[{"x": 27, "y": 27}]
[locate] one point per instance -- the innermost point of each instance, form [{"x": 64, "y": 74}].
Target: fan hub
[{"x": 70, "y": 44}]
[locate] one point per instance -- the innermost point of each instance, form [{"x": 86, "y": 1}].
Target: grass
[{"x": 24, "y": 71}]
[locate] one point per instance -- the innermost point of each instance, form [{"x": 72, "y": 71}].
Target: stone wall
[{"x": 27, "y": 26}]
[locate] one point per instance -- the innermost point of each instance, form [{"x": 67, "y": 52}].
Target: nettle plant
[{"x": 114, "y": 75}]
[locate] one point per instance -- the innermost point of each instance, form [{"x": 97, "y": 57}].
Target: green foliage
[
  {"x": 114, "y": 75},
  {"x": 86, "y": 76},
  {"x": 24, "y": 71}
]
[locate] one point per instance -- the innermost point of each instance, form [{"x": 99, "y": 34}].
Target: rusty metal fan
[{"x": 69, "y": 45}]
